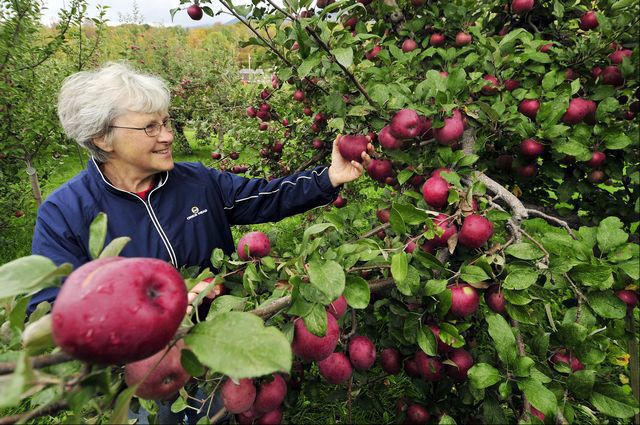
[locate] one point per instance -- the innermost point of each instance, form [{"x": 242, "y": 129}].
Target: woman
[{"x": 178, "y": 212}]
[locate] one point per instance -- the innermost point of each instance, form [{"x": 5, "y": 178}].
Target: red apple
[
  {"x": 463, "y": 361},
  {"x": 437, "y": 39},
  {"x": 538, "y": 414},
  {"x": 338, "y": 307},
  {"x": 383, "y": 215},
  {"x": 529, "y": 108},
  {"x": 596, "y": 71},
  {"x": 531, "y": 148},
  {"x": 251, "y": 112},
  {"x": 617, "y": 56},
  {"x": 578, "y": 110},
  {"x": 311, "y": 347},
  {"x": 494, "y": 298},
  {"x": 195, "y": 12},
  {"x": 463, "y": 38},
  {"x": 596, "y": 176},
  {"x": 352, "y": 146},
  {"x": 307, "y": 111},
  {"x": 408, "y": 45},
  {"x": 464, "y": 300},
  {"x": 298, "y": 95},
  {"x": 566, "y": 357},
  {"x": 435, "y": 192},
  {"x": 442, "y": 347},
  {"x": 449, "y": 229},
  {"x": 546, "y": 48},
  {"x": 362, "y": 352},
  {"x": 336, "y": 368},
  {"x": 511, "y": 85},
  {"x": 411, "y": 367},
  {"x": 118, "y": 310},
  {"x": 570, "y": 74},
  {"x": 475, "y": 231},
  {"x": 588, "y": 21},
  {"x": 271, "y": 394},
  {"x": 371, "y": 54},
  {"x": 493, "y": 85},
  {"x": 612, "y": 76},
  {"x": 256, "y": 243},
  {"x": 597, "y": 159},
  {"x": 416, "y": 415},
  {"x": 216, "y": 155},
  {"x": 339, "y": 202},
  {"x": 405, "y": 124},
  {"x": 273, "y": 417},
  {"x": 520, "y": 7},
  {"x": 504, "y": 162},
  {"x": 452, "y": 130},
  {"x": 629, "y": 297},
  {"x": 317, "y": 144},
  {"x": 390, "y": 361},
  {"x": 430, "y": 368},
  {"x": 387, "y": 140},
  {"x": 163, "y": 379},
  {"x": 380, "y": 169},
  {"x": 18, "y": 213},
  {"x": 238, "y": 398}
]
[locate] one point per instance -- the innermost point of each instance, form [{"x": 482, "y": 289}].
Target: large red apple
[
  {"x": 531, "y": 148},
  {"x": 405, "y": 124},
  {"x": 390, "y": 361},
  {"x": 451, "y": 131},
  {"x": 352, "y": 146},
  {"x": 163, "y": 379},
  {"x": 311, "y": 347},
  {"x": 449, "y": 229},
  {"x": 588, "y": 21},
  {"x": 195, "y": 12},
  {"x": 494, "y": 298},
  {"x": 387, "y": 140},
  {"x": 238, "y": 398},
  {"x": 408, "y": 45},
  {"x": 430, "y": 368},
  {"x": 336, "y": 368},
  {"x": 475, "y": 231},
  {"x": 435, "y": 192},
  {"x": 529, "y": 108},
  {"x": 578, "y": 109},
  {"x": 464, "y": 300},
  {"x": 118, "y": 310},
  {"x": 256, "y": 243}
]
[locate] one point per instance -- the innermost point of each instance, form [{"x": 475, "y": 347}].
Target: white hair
[{"x": 89, "y": 101}]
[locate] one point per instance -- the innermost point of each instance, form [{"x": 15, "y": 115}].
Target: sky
[{"x": 154, "y": 12}]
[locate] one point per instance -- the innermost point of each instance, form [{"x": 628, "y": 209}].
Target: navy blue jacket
[{"x": 185, "y": 216}]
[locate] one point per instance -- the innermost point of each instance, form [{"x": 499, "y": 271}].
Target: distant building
[{"x": 253, "y": 76}]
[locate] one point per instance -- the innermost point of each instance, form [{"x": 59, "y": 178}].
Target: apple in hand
[
  {"x": 163, "y": 380},
  {"x": 352, "y": 146},
  {"x": 118, "y": 310}
]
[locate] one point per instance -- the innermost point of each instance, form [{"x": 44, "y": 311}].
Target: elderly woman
[{"x": 178, "y": 212}]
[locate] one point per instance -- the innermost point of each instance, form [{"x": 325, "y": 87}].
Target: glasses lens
[
  {"x": 167, "y": 125},
  {"x": 152, "y": 130}
]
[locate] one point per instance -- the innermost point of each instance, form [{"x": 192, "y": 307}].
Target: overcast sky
[{"x": 154, "y": 12}]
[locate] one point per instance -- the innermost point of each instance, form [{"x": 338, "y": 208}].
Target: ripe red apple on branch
[{"x": 253, "y": 245}]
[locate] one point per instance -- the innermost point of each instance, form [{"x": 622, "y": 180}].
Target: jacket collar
[{"x": 96, "y": 173}]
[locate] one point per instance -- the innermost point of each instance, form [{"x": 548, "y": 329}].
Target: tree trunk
[{"x": 181, "y": 139}]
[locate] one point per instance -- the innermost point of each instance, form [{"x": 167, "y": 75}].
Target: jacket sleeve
[
  {"x": 249, "y": 201},
  {"x": 54, "y": 238}
]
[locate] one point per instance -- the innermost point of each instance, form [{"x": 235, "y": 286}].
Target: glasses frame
[{"x": 151, "y": 127}]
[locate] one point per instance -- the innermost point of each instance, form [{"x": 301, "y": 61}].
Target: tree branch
[
  {"x": 552, "y": 219},
  {"x": 45, "y": 410}
]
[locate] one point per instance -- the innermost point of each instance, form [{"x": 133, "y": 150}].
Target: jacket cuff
[{"x": 325, "y": 183}]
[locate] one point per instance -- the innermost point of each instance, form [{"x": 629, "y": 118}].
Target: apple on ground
[
  {"x": 238, "y": 397},
  {"x": 253, "y": 245},
  {"x": 161, "y": 380},
  {"x": 311, "y": 347},
  {"x": 92, "y": 315},
  {"x": 336, "y": 368}
]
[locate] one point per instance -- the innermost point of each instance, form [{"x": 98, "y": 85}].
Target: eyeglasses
[{"x": 152, "y": 130}]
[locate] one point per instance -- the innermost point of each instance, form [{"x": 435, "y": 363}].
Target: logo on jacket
[{"x": 196, "y": 212}]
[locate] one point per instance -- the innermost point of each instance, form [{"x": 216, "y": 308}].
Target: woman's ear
[{"x": 101, "y": 143}]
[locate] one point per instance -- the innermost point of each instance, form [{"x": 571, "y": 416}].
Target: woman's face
[{"x": 133, "y": 151}]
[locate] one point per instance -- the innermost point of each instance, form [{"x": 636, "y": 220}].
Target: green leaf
[
  {"x": 357, "y": 292},
  {"x": 224, "y": 304},
  {"x": 502, "y": 335},
  {"x": 520, "y": 279},
  {"x": 483, "y": 375},
  {"x": 399, "y": 266},
  {"x": 344, "y": 56},
  {"x": 549, "y": 80},
  {"x": 427, "y": 341},
  {"x": 314, "y": 230},
  {"x": 473, "y": 274},
  {"x": 29, "y": 274},
  {"x": 190, "y": 363},
  {"x": 607, "y": 305},
  {"x": 97, "y": 234},
  {"x": 610, "y": 234},
  {"x": 316, "y": 320},
  {"x": 598, "y": 276},
  {"x": 524, "y": 251},
  {"x": 328, "y": 278},
  {"x": 308, "y": 65},
  {"x": 115, "y": 247},
  {"x": 523, "y": 367},
  {"x": 239, "y": 345},
  {"x": 573, "y": 148},
  {"x": 616, "y": 140},
  {"x": 411, "y": 283},
  {"x": 581, "y": 383},
  {"x": 435, "y": 286},
  {"x": 614, "y": 401},
  {"x": 120, "y": 414},
  {"x": 539, "y": 396}
]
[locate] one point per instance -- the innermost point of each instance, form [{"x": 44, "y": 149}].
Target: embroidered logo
[{"x": 195, "y": 211}]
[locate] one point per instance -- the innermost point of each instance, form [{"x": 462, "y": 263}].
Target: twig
[
  {"x": 45, "y": 410},
  {"x": 271, "y": 308},
  {"x": 552, "y": 219},
  {"x": 538, "y": 244},
  {"x": 372, "y": 232},
  {"x": 215, "y": 418},
  {"x": 581, "y": 298},
  {"x": 38, "y": 362},
  {"x": 354, "y": 326}
]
